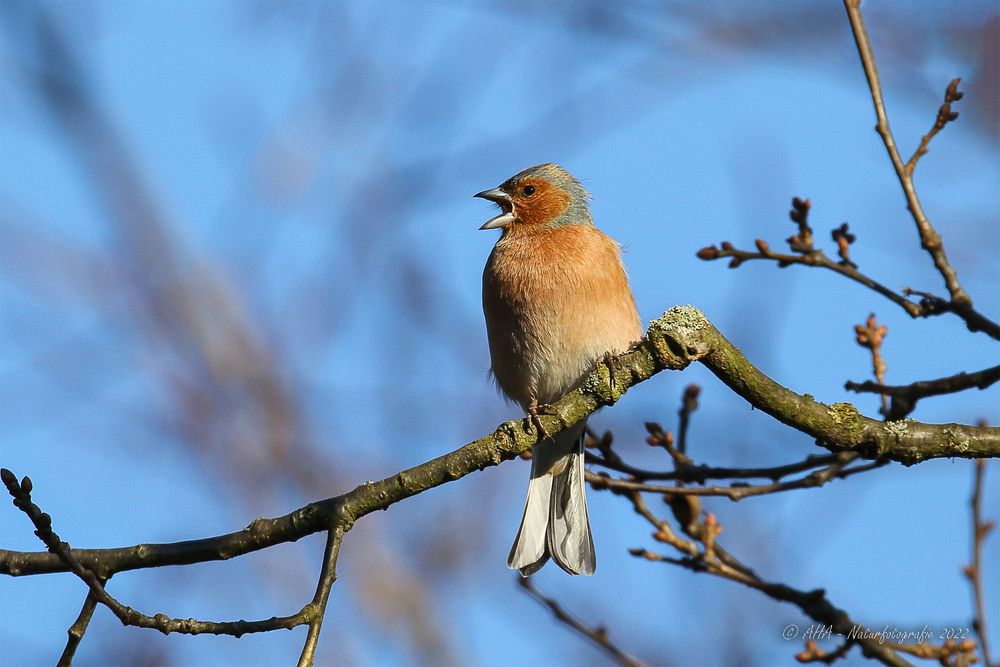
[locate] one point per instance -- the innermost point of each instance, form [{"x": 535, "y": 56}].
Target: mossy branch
[{"x": 683, "y": 335}]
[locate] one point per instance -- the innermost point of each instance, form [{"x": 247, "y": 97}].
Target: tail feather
[
  {"x": 569, "y": 540},
  {"x": 529, "y": 552},
  {"x": 555, "y": 522}
]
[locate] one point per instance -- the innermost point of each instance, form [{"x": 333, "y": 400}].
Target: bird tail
[{"x": 555, "y": 522}]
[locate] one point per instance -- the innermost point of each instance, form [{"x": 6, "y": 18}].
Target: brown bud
[
  {"x": 762, "y": 246},
  {"x": 708, "y": 252},
  {"x": 953, "y": 94}
]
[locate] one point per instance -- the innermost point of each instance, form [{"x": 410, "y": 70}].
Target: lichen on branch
[{"x": 681, "y": 336}]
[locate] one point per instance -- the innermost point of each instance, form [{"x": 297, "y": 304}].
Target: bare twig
[
  {"x": 813, "y": 653},
  {"x": 814, "y": 257},
  {"x": 665, "y": 439},
  {"x": 813, "y": 603},
  {"x": 934, "y": 305},
  {"x": 598, "y": 635},
  {"x": 870, "y": 335},
  {"x": 327, "y": 576},
  {"x": 77, "y": 630},
  {"x": 21, "y": 493},
  {"x": 905, "y": 397},
  {"x": 843, "y": 238},
  {"x": 711, "y": 558},
  {"x": 701, "y": 473},
  {"x": 974, "y": 572},
  {"x": 688, "y": 405},
  {"x": 930, "y": 240},
  {"x": 951, "y": 653},
  {"x": 737, "y": 491},
  {"x": 806, "y": 254},
  {"x": 944, "y": 116}
]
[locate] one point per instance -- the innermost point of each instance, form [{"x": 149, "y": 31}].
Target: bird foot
[
  {"x": 534, "y": 412},
  {"x": 613, "y": 364}
]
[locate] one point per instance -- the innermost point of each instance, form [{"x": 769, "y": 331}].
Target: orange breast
[{"x": 555, "y": 301}]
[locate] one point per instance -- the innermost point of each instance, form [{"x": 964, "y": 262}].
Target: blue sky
[{"x": 285, "y": 189}]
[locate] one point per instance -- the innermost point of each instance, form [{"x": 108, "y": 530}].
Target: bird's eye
[{"x": 528, "y": 190}]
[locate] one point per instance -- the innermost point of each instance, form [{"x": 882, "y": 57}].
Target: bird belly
[{"x": 548, "y": 326}]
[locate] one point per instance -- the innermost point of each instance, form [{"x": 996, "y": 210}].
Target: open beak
[{"x": 501, "y": 199}]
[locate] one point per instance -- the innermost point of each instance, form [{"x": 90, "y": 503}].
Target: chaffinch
[{"x": 556, "y": 301}]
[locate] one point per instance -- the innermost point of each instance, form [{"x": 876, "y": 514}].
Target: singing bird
[{"x": 556, "y": 301}]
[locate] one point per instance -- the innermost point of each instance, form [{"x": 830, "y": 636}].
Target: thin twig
[
  {"x": 905, "y": 397},
  {"x": 598, "y": 635},
  {"x": 870, "y": 335},
  {"x": 944, "y": 116},
  {"x": 701, "y": 473},
  {"x": 709, "y": 559},
  {"x": 77, "y": 630},
  {"x": 806, "y": 254},
  {"x": 930, "y": 240},
  {"x": 817, "y": 258},
  {"x": 688, "y": 405},
  {"x": 736, "y": 492},
  {"x": 951, "y": 652},
  {"x": 935, "y": 305},
  {"x": 128, "y": 616},
  {"x": 813, "y": 653},
  {"x": 974, "y": 572},
  {"x": 327, "y": 575}
]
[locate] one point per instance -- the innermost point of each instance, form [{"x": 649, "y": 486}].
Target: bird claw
[
  {"x": 613, "y": 364},
  {"x": 534, "y": 412}
]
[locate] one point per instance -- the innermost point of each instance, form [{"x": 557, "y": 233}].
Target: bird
[{"x": 557, "y": 301}]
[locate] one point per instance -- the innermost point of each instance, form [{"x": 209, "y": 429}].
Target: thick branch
[{"x": 681, "y": 336}]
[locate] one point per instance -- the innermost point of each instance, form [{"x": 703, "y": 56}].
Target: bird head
[{"x": 544, "y": 195}]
